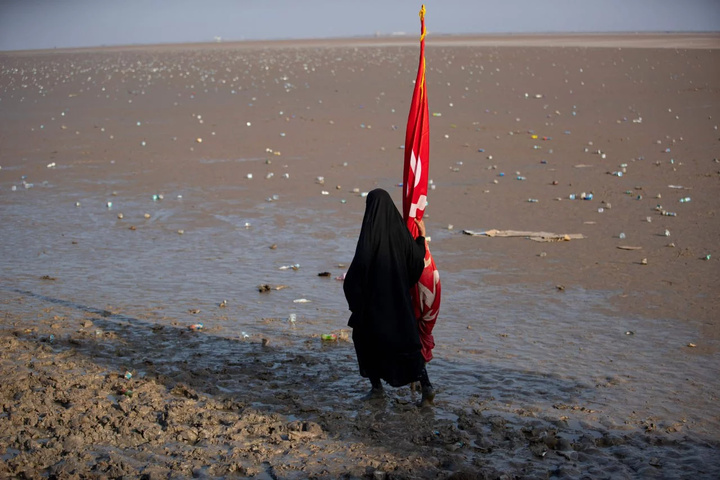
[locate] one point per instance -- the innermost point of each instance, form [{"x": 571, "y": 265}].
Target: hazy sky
[{"x": 33, "y": 24}]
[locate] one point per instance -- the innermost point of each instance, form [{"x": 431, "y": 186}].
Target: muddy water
[{"x": 519, "y": 352}]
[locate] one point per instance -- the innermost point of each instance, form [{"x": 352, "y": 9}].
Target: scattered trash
[
  {"x": 128, "y": 375},
  {"x": 266, "y": 288},
  {"x": 301, "y": 300},
  {"x": 292, "y": 318},
  {"x": 195, "y": 327},
  {"x": 290, "y": 267},
  {"x": 329, "y": 337},
  {"x": 324, "y": 274},
  {"x": 125, "y": 391},
  {"x": 685, "y": 200}
]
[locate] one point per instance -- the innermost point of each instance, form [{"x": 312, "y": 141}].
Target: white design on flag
[
  {"x": 416, "y": 167},
  {"x": 427, "y": 297}
]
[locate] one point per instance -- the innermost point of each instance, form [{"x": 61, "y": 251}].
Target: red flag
[{"x": 426, "y": 294}]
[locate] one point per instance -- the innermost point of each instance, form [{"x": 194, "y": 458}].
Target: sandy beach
[{"x": 144, "y": 190}]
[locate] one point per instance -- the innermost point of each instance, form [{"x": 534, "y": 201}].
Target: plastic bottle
[{"x": 685, "y": 199}]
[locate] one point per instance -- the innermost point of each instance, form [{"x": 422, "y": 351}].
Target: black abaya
[{"x": 377, "y": 285}]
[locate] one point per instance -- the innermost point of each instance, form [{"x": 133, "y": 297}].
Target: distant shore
[{"x": 687, "y": 40}]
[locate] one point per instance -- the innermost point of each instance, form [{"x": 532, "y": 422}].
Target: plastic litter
[{"x": 290, "y": 267}]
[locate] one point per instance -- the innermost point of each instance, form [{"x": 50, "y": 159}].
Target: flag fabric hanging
[{"x": 426, "y": 294}]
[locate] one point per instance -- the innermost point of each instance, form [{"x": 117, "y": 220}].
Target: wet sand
[{"x": 146, "y": 189}]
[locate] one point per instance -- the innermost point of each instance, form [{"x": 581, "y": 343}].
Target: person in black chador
[{"x": 387, "y": 263}]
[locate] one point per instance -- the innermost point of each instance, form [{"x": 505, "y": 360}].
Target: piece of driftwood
[{"x": 536, "y": 236}]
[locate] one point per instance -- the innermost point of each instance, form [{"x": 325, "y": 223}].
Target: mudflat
[{"x": 148, "y": 189}]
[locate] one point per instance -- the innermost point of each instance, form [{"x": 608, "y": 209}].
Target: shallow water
[{"x": 528, "y": 345}]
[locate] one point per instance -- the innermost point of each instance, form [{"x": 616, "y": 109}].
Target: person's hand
[{"x": 421, "y": 227}]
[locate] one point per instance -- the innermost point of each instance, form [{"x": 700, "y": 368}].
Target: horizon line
[{"x": 396, "y": 38}]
